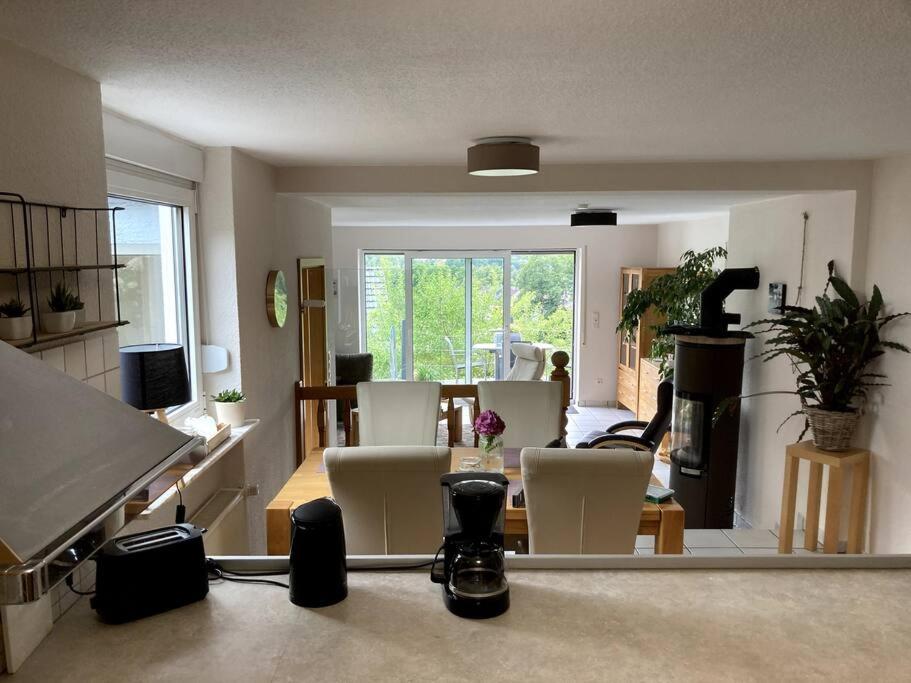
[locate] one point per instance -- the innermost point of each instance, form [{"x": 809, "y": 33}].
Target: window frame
[
  {"x": 577, "y": 253},
  {"x": 131, "y": 182}
]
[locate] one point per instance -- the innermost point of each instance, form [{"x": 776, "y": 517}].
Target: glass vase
[{"x": 492, "y": 452}]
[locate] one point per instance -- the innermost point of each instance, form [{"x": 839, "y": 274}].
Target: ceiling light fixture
[
  {"x": 585, "y": 216},
  {"x": 503, "y": 156}
]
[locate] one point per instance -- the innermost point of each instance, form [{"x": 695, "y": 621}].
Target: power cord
[
  {"x": 219, "y": 573},
  {"x": 181, "y": 516},
  {"x": 69, "y": 583}
]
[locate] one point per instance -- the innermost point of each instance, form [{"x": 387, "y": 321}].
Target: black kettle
[{"x": 318, "y": 574}]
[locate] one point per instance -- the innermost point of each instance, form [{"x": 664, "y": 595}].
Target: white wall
[
  {"x": 768, "y": 235},
  {"x": 886, "y": 418},
  {"x": 607, "y": 250},
  {"x": 676, "y": 237},
  {"x": 52, "y": 150},
  {"x": 246, "y": 231},
  {"x": 216, "y": 265}
]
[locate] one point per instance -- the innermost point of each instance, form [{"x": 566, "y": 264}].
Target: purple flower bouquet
[{"x": 490, "y": 427}]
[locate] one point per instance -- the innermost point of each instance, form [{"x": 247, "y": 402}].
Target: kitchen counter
[{"x": 578, "y": 624}]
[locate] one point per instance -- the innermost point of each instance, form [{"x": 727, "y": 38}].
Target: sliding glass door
[{"x": 451, "y": 317}]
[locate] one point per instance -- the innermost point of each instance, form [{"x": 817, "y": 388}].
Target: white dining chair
[
  {"x": 584, "y": 501},
  {"x": 390, "y": 497},
  {"x": 398, "y": 413},
  {"x": 532, "y": 411}
]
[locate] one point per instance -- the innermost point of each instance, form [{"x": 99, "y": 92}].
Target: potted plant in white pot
[
  {"x": 62, "y": 314},
  {"x": 230, "y": 405},
  {"x": 830, "y": 347},
  {"x": 15, "y": 321}
]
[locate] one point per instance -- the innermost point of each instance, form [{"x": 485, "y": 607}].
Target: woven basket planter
[{"x": 832, "y": 430}]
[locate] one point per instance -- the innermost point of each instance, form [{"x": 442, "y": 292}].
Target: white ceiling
[
  {"x": 414, "y": 81},
  {"x": 526, "y": 209}
]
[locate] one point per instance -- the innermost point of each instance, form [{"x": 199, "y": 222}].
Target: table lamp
[{"x": 153, "y": 377}]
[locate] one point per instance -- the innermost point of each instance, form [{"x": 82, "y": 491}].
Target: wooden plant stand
[{"x": 837, "y": 461}]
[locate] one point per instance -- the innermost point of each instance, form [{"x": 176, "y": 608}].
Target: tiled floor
[{"x": 717, "y": 542}]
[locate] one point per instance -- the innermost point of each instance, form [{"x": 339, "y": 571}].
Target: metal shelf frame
[{"x": 65, "y": 229}]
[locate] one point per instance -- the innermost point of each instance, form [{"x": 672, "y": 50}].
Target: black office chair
[
  {"x": 651, "y": 434},
  {"x": 351, "y": 368}
]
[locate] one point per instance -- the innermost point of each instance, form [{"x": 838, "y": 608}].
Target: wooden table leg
[
  {"x": 456, "y": 429},
  {"x": 814, "y": 496},
  {"x": 669, "y": 539},
  {"x": 833, "y": 510},
  {"x": 860, "y": 476},
  {"x": 788, "y": 505},
  {"x": 278, "y": 527}
]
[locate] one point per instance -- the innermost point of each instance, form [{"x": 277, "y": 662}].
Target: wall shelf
[
  {"x": 46, "y": 341},
  {"x": 56, "y": 269},
  {"x": 46, "y": 244}
]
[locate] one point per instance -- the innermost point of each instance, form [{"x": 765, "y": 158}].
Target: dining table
[{"x": 664, "y": 520}]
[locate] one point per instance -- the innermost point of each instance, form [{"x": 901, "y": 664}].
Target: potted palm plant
[
  {"x": 675, "y": 296},
  {"x": 230, "y": 407},
  {"x": 15, "y": 321},
  {"x": 62, "y": 314},
  {"x": 830, "y": 347}
]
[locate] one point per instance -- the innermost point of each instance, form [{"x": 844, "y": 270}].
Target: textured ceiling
[
  {"x": 414, "y": 81},
  {"x": 525, "y": 209}
]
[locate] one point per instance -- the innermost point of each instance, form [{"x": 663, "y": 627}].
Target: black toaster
[{"x": 150, "y": 572}]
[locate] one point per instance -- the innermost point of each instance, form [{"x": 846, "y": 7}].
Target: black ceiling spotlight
[{"x": 585, "y": 216}]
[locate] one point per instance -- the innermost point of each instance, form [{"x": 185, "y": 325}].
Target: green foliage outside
[{"x": 542, "y": 311}]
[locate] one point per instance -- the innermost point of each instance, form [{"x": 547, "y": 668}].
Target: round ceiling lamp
[
  {"x": 503, "y": 156},
  {"x": 585, "y": 216}
]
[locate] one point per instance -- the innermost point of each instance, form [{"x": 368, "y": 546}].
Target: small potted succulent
[
  {"x": 490, "y": 427},
  {"x": 230, "y": 405},
  {"x": 15, "y": 321},
  {"x": 79, "y": 308},
  {"x": 63, "y": 305}
]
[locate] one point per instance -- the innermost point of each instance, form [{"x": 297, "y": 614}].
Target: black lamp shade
[{"x": 153, "y": 376}]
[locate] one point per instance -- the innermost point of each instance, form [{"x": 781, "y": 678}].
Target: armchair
[{"x": 650, "y": 433}]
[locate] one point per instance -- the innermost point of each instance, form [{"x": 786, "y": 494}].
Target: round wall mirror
[{"x": 276, "y": 298}]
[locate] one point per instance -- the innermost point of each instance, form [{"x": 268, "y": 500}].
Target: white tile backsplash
[
  {"x": 94, "y": 356},
  {"x": 74, "y": 360},
  {"x": 54, "y": 358},
  {"x": 112, "y": 383},
  {"x": 97, "y": 381},
  {"x": 111, "y": 351}
]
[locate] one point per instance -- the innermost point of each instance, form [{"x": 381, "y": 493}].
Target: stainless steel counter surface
[{"x": 582, "y": 625}]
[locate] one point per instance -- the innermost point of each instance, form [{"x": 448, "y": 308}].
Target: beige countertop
[{"x": 579, "y": 624}]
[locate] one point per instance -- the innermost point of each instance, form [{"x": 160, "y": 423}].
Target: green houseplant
[
  {"x": 830, "y": 348},
  {"x": 62, "y": 305},
  {"x": 15, "y": 321},
  {"x": 675, "y": 296},
  {"x": 230, "y": 406}
]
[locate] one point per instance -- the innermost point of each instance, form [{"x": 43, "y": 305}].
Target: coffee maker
[{"x": 473, "y": 570}]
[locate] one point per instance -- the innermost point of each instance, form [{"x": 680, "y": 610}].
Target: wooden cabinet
[{"x": 638, "y": 345}]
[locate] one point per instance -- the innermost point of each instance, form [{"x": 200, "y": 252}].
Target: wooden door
[{"x": 313, "y": 349}]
